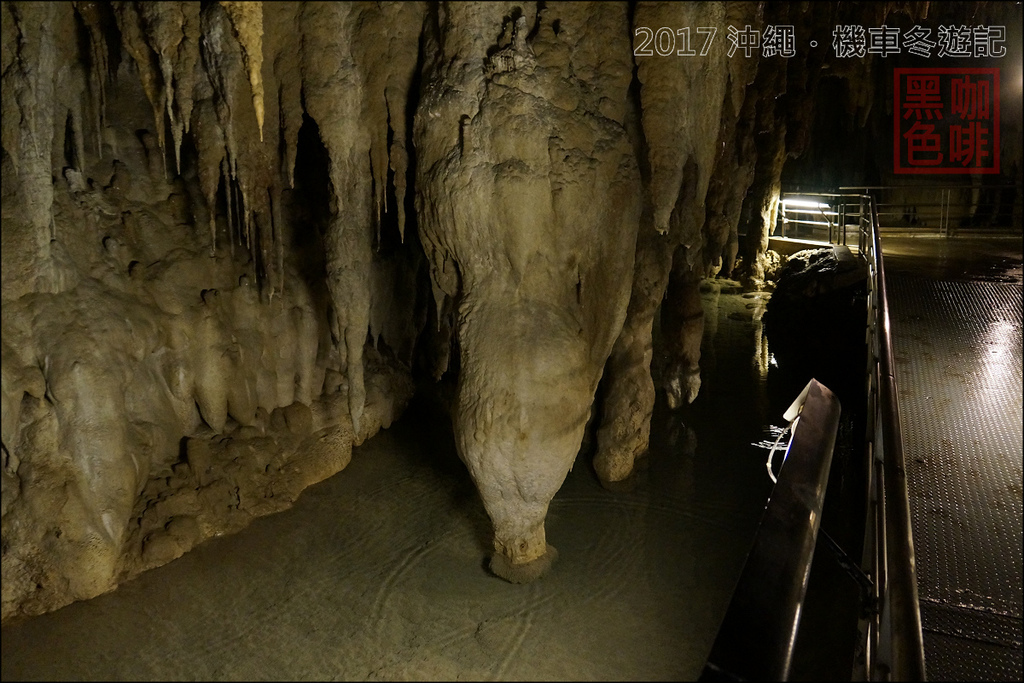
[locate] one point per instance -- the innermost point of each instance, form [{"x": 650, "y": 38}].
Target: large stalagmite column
[{"x": 529, "y": 200}]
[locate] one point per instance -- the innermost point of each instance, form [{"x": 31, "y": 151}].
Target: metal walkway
[{"x": 957, "y": 343}]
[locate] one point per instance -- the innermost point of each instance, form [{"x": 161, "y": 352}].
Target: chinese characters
[
  {"x": 946, "y": 120},
  {"x": 951, "y": 41},
  {"x": 848, "y": 41}
]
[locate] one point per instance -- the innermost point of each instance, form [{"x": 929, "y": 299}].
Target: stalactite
[
  {"x": 379, "y": 166},
  {"x": 247, "y": 19},
  {"x": 251, "y": 235},
  {"x": 398, "y": 157},
  {"x": 99, "y": 63},
  {"x": 185, "y": 59},
  {"x": 14, "y": 82},
  {"x": 534, "y": 234},
  {"x": 677, "y": 135},
  {"x": 177, "y": 126},
  {"x": 185, "y": 63},
  {"x": 249, "y": 165},
  {"x": 133, "y": 39},
  {"x": 163, "y": 23},
  {"x": 32, "y": 57},
  {"x": 222, "y": 66},
  {"x": 78, "y": 132},
  {"x": 209, "y": 141},
  {"x": 291, "y": 121},
  {"x": 285, "y": 80},
  {"x": 245, "y": 216},
  {"x": 23, "y": 84},
  {"x": 332, "y": 86},
  {"x": 229, "y": 202},
  {"x": 251, "y": 242},
  {"x": 408, "y": 18},
  {"x": 265, "y": 238},
  {"x": 163, "y": 39},
  {"x": 72, "y": 98},
  {"x": 277, "y": 238}
]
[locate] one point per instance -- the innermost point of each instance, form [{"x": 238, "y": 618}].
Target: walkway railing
[
  {"x": 894, "y": 647},
  {"x": 759, "y": 631},
  {"x": 758, "y": 635},
  {"x": 947, "y": 209},
  {"x": 826, "y": 217}
]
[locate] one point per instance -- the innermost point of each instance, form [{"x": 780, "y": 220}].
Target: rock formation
[
  {"x": 529, "y": 198},
  {"x": 234, "y": 232},
  {"x": 194, "y": 216}
]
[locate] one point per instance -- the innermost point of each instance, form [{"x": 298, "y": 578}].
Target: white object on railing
[
  {"x": 771, "y": 454},
  {"x": 792, "y": 415}
]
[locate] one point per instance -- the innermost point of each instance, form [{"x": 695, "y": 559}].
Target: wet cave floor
[{"x": 379, "y": 571}]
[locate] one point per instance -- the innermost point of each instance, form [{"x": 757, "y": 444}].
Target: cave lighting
[{"x": 803, "y": 204}]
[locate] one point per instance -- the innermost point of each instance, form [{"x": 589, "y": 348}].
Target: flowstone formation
[{"x": 233, "y": 232}]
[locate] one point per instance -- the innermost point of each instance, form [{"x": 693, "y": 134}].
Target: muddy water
[{"x": 378, "y": 572}]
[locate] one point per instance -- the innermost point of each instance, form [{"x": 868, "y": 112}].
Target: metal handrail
[
  {"x": 981, "y": 215},
  {"x": 900, "y": 608},
  {"x": 758, "y": 635},
  {"x": 856, "y": 189},
  {"x": 891, "y": 628},
  {"x": 838, "y": 209}
]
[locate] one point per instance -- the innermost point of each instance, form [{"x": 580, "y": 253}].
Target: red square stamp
[{"x": 945, "y": 120}]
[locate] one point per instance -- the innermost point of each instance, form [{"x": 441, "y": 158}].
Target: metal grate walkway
[{"x": 958, "y": 365}]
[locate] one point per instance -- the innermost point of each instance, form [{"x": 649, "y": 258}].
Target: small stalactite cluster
[
  {"x": 191, "y": 59},
  {"x": 229, "y": 84}
]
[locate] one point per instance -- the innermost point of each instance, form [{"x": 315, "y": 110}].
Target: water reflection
[{"x": 762, "y": 358}]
